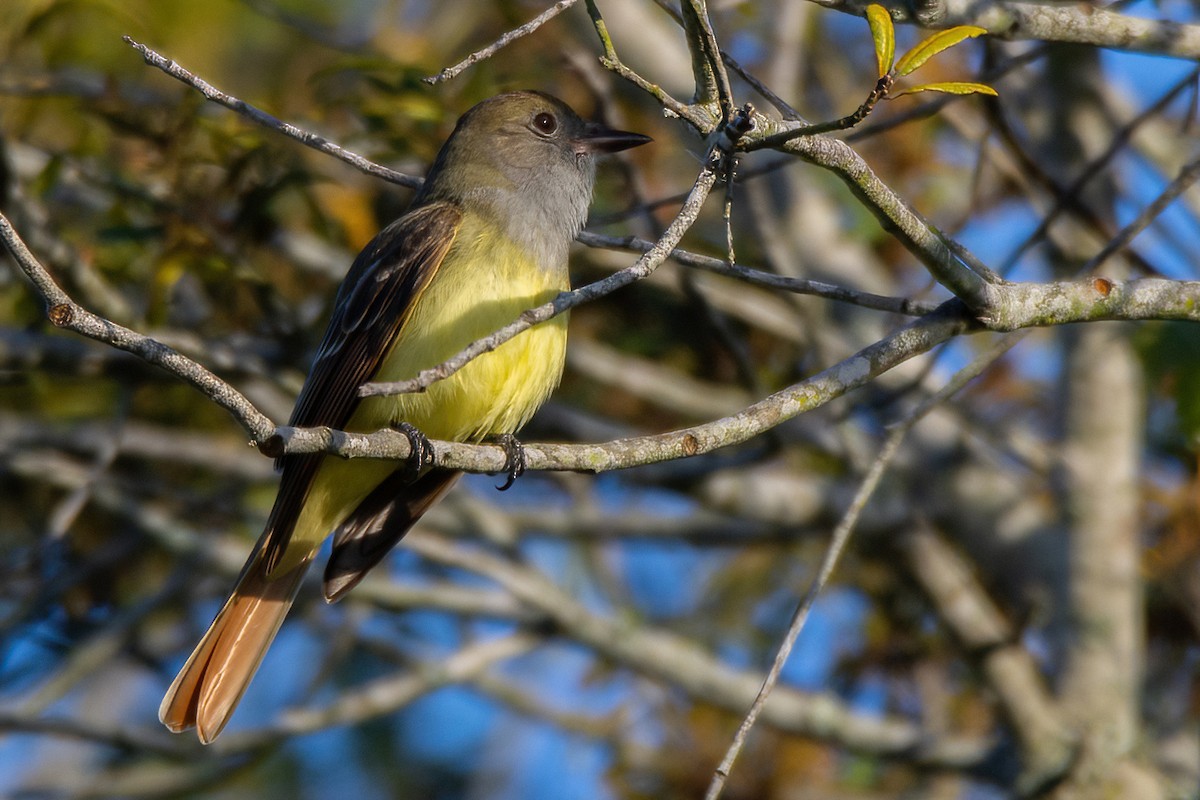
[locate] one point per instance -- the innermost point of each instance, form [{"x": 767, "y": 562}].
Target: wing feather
[{"x": 372, "y": 306}]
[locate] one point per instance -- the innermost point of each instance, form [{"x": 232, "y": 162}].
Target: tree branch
[
  {"x": 385, "y": 695},
  {"x": 912, "y": 340},
  {"x": 912, "y": 230},
  {"x": 704, "y": 121},
  {"x": 1047, "y": 744},
  {"x": 769, "y": 280},
  {"x": 708, "y": 69},
  {"x": 1080, "y": 23},
  {"x": 63, "y": 312},
  {"x": 679, "y": 662},
  {"x": 306, "y": 138},
  {"x": 509, "y": 37}
]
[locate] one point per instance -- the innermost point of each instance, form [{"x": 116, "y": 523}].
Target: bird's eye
[{"x": 545, "y": 123}]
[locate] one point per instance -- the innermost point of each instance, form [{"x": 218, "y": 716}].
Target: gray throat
[{"x": 543, "y": 210}]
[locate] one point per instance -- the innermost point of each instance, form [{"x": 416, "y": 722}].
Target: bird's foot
[
  {"x": 514, "y": 459},
  {"x": 420, "y": 451}
]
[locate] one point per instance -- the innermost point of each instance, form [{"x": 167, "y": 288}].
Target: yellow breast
[{"x": 484, "y": 283}]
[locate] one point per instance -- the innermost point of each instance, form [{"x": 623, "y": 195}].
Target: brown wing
[
  {"x": 378, "y": 523},
  {"x": 372, "y": 306}
]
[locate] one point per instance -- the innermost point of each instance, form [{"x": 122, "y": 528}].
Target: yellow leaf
[
  {"x": 884, "y": 35},
  {"x": 950, "y": 87},
  {"x": 942, "y": 40}
]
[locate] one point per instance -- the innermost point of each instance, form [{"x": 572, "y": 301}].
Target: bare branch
[
  {"x": 307, "y": 138},
  {"x": 1178, "y": 185},
  {"x": 1080, "y": 23},
  {"x": 770, "y": 280},
  {"x": 1047, "y": 744},
  {"x": 912, "y": 340},
  {"x": 509, "y": 37},
  {"x": 921, "y": 238},
  {"x": 386, "y": 695},
  {"x": 708, "y": 69},
  {"x": 837, "y": 545},
  {"x": 679, "y": 662},
  {"x": 703, "y": 121},
  {"x": 64, "y": 313},
  {"x": 781, "y": 105},
  {"x": 1090, "y": 299}
]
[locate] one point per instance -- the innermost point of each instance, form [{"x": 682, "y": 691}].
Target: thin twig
[
  {"x": 781, "y": 105},
  {"x": 878, "y": 92},
  {"x": 1186, "y": 177},
  {"x": 307, "y": 138},
  {"x": 727, "y": 211},
  {"x": 385, "y": 695},
  {"x": 703, "y": 122},
  {"x": 770, "y": 280},
  {"x": 1096, "y": 167},
  {"x": 837, "y": 545},
  {"x": 698, "y": 26},
  {"x": 516, "y": 33}
]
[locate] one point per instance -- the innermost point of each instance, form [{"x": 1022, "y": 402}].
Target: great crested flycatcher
[{"x": 485, "y": 239}]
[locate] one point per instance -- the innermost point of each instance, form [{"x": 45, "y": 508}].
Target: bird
[{"x": 485, "y": 238}]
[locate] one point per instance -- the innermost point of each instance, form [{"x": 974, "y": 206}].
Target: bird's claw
[
  {"x": 514, "y": 459},
  {"x": 420, "y": 451}
]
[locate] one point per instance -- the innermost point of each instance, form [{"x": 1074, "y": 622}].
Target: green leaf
[
  {"x": 884, "y": 35},
  {"x": 950, "y": 87},
  {"x": 942, "y": 40}
]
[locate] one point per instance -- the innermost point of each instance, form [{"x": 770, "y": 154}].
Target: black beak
[{"x": 597, "y": 138}]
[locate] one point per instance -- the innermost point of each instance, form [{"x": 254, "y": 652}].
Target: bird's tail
[{"x": 208, "y": 688}]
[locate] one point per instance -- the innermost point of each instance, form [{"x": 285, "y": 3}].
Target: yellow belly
[{"x": 482, "y": 285}]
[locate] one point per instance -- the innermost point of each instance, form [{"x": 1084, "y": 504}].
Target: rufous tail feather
[{"x": 207, "y": 689}]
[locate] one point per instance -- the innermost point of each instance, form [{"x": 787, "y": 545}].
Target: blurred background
[{"x": 1022, "y": 592}]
